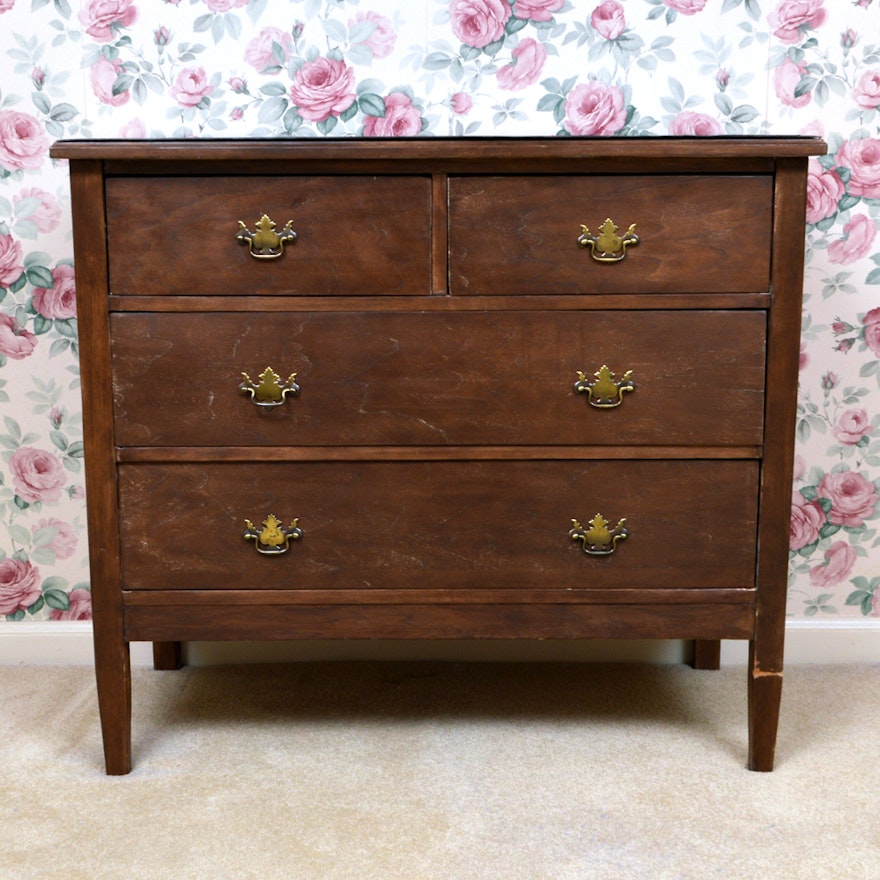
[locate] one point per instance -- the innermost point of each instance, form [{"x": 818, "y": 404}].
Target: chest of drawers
[{"x": 500, "y": 388}]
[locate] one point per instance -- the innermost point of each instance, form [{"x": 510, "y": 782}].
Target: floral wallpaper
[{"x": 352, "y": 68}]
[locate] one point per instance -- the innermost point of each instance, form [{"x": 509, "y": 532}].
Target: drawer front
[
  {"x": 519, "y": 235},
  {"x": 453, "y": 525},
  {"x": 472, "y": 378},
  {"x": 354, "y": 235}
]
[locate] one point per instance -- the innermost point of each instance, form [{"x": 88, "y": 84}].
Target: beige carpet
[{"x": 377, "y": 771}]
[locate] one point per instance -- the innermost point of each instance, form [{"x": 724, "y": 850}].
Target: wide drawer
[
  {"x": 354, "y": 235},
  {"x": 469, "y": 378},
  {"x": 697, "y": 234},
  {"x": 451, "y": 525}
]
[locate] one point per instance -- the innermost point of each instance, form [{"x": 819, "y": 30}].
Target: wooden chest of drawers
[{"x": 538, "y": 388}]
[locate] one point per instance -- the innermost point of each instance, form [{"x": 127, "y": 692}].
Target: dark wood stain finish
[{"x": 436, "y": 308}]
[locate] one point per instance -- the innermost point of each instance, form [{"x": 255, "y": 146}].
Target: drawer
[
  {"x": 453, "y": 525},
  {"x": 466, "y": 378},
  {"x": 697, "y": 234},
  {"x": 354, "y": 235}
]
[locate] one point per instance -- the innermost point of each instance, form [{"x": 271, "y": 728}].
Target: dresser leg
[
  {"x": 765, "y": 694},
  {"x": 707, "y": 654},
  {"x": 167, "y": 655},
  {"x": 113, "y": 676}
]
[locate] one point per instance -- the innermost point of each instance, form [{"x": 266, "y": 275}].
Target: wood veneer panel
[
  {"x": 355, "y": 235},
  {"x": 519, "y": 235},
  {"x": 374, "y": 379},
  {"x": 439, "y": 525}
]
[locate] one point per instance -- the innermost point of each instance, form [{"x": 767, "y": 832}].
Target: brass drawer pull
[
  {"x": 604, "y": 392},
  {"x": 608, "y": 246},
  {"x": 270, "y": 390},
  {"x": 265, "y": 243},
  {"x": 273, "y": 539},
  {"x": 598, "y": 539}
]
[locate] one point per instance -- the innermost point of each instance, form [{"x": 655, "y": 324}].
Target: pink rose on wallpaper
[
  {"x": 867, "y": 90},
  {"x": 792, "y": 17},
  {"x": 102, "y": 77},
  {"x": 461, "y": 103},
  {"x": 858, "y": 236},
  {"x": 36, "y": 475},
  {"x": 135, "y": 129},
  {"x": 608, "y": 19},
  {"x": 528, "y": 61},
  {"x": 686, "y": 7},
  {"x": 840, "y": 558},
  {"x": 381, "y": 41},
  {"x": 15, "y": 341},
  {"x": 191, "y": 87},
  {"x": 6, "y": 5},
  {"x": 11, "y": 260},
  {"x": 478, "y": 22},
  {"x": 19, "y": 585},
  {"x": 537, "y": 10},
  {"x": 594, "y": 108},
  {"x": 824, "y": 191},
  {"x": 863, "y": 160},
  {"x": 269, "y": 49},
  {"x": 852, "y": 426},
  {"x": 786, "y": 79},
  {"x": 401, "y": 118},
  {"x": 225, "y": 5},
  {"x": 47, "y": 215},
  {"x": 102, "y": 18},
  {"x": 60, "y": 301},
  {"x": 872, "y": 330},
  {"x": 323, "y": 88},
  {"x": 80, "y": 606},
  {"x": 689, "y": 123},
  {"x": 65, "y": 540},
  {"x": 23, "y": 143},
  {"x": 852, "y": 497},
  {"x": 806, "y": 520}
]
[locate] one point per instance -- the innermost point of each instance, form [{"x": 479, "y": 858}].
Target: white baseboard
[{"x": 70, "y": 644}]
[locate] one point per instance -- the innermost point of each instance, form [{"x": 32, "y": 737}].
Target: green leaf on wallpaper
[
  {"x": 372, "y": 105},
  {"x": 57, "y": 599},
  {"x": 873, "y": 277},
  {"x": 274, "y": 89},
  {"x": 437, "y": 61},
  {"x": 41, "y": 101},
  {"x": 869, "y": 369},
  {"x": 40, "y": 276},
  {"x": 255, "y": 9},
  {"x": 42, "y": 325},
  {"x": 272, "y": 109},
  {"x": 13, "y": 428}
]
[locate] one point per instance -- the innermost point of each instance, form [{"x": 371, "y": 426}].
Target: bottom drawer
[{"x": 454, "y": 525}]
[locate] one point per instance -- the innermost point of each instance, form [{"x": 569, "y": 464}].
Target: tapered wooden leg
[
  {"x": 707, "y": 654},
  {"x": 765, "y": 694},
  {"x": 167, "y": 655},
  {"x": 113, "y": 675}
]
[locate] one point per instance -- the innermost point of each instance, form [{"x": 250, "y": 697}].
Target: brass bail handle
[
  {"x": 265, "y": 243},
  {"x": 607, "y": 246},
  {"x": 273, "y": 538},
  {"x": 598, "y": 539},
  {"x": 604, "y": 390},
  {"x": 271, "y": 390}
]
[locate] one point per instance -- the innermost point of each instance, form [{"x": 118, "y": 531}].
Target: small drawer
[
  {"x": 465, "y": 378},
  {"x": 696, "y": 234},
  {"x": 353, "y": 235},
  {"x": 450, "y": 525}
]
